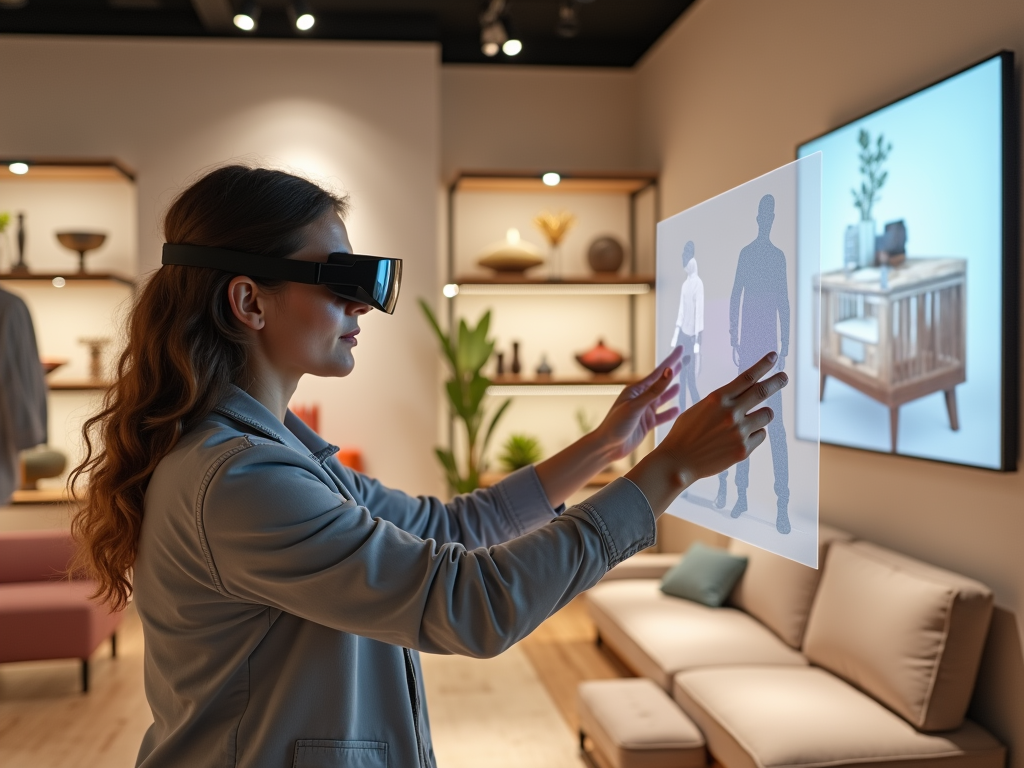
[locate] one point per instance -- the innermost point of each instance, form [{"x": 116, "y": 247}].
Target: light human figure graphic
[
  {"x": 689, "y": 329},
  {"x": 761, "y": 289}
]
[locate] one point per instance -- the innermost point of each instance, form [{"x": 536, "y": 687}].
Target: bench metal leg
[{"x": 85, "y": 675}]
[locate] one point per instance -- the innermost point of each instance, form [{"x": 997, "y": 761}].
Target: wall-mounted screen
[{"x": 916, "y": 297}]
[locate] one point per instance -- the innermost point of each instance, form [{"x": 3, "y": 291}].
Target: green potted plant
[
  {"x": 519, "y": 451},
  {"x": 873, "y": 176},
  {"x": 466, "y": 352}
]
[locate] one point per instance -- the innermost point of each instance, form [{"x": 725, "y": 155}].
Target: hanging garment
[{"x": 22, "y": 390}]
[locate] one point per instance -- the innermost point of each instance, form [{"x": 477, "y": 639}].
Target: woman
[{"x": 284, "y": 596}]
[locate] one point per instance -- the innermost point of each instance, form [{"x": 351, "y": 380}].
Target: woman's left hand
[{"x": 635, "y": 411}]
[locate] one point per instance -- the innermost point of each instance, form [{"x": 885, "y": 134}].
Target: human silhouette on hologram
[
  {"x": 759, "y": 324},
  {"x": 689, "y": 330}
]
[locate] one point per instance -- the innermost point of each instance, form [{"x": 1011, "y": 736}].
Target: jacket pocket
[{"x": 327, "y": 753}]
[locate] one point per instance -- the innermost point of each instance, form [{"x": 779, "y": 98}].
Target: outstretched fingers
[
  {"x": 760, "y": 391},
  {"x": 672, "y": 361},
  {"x": 742, "y": 383}
]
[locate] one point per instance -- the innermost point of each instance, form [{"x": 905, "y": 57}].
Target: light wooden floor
[{"x": 506, "y": 708}]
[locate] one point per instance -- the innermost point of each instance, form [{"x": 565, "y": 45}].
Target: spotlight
[
  {"x": 492, "y": 29},
  {"x": 512, "y": 47},
  {"x": 247, "y": 17},
  {"x": 19, "y": 168},
  {"x": 568, "y": 20},
  {"x": 302, "y": 16},
  {"x": 450, "y": 291},
  {"x": 551, "y": 179}
]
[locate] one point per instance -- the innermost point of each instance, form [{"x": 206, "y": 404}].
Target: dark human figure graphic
[
  {"x": 761, "y": 288},
  {"x": 689, "y": 330}
]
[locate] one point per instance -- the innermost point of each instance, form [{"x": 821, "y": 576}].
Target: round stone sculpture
[{"x": 606, "y": 254}]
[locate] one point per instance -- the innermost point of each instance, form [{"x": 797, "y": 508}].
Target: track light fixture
[
  {"x": 495, "y": 31},
  {"x": 568, "y": 19},
  {"x": 247, "y": 18},
  {"x": 302, "y": 16}
]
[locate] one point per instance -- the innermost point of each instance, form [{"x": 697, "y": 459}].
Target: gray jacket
[
  {"x": 284, "y": 597},
  {"x": 22, "y": 390}
]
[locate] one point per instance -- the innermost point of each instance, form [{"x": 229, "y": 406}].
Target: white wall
[
  {"x": 363, "y": 117},
  {"x": 726, "y": 95}
]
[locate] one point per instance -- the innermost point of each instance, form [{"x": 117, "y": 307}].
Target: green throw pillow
[{"x": 705, "y": 575}]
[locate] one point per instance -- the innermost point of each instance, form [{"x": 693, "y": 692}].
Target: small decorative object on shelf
[
  {"x": 516, "y": 368},
  {"x": 513, "y": 254},
  {"x": 95, "y": 346},
  {"x": 40, "y": 463},
  {"x": 555, "y": 227},
  {"x": 891, "y": 245},
  {"x": 5, "y": 248},
  {"x": 20, "y": 267},
  {"x": 51, "y": 364},
  {"x": 605, "y": 255},
  {"x": 307, "y": 414},
  {"x": 600, "y": 359},
  {"x": 81, "y": 243},
  {"x": 500, "y": 368},
  {"x": 544, "y": 369},
  {"x": 519, "y": 451}
]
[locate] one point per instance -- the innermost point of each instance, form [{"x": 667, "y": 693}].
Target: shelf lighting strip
[
  {"x": 548, "y": 289},
  {"x": 508, "y": 390}
]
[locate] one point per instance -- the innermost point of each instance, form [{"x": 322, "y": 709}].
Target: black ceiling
[{"x": 613, "y": 33}]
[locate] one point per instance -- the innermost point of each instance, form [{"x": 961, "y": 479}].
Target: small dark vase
[
  {"x": 21, "y": 266},
  {"x": 500, "y": 370},
  {"x": 516, "y": 367}
]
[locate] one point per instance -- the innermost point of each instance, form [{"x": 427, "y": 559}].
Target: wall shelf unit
[
  {"x": 555, "y": 311},
  {"x": 69, "y": 277}
]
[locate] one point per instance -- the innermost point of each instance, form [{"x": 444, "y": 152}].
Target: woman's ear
[{"x": 247, "y": 302}]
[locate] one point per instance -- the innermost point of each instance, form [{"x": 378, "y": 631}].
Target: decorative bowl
[
  {"x": 51, "y": 364},
  {"x": 600, "y": 359},
  {"x": 512, "y": 254},
  {"x": 81, "y": 243}
]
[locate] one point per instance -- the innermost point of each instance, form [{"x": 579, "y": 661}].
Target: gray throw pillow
[{"x": 705, "y": 575}]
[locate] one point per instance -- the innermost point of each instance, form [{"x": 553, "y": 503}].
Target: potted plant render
[
  {"x": 872, "y": 156},
  {"x": 466, "y": 352}
]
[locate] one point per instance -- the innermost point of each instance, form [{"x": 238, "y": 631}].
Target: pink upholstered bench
[{"x": 44, "y": 615}]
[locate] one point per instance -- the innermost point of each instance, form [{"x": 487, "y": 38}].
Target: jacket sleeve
[
  {"x": 488, "y": 516},
  {"x": 274, "y": 534}
]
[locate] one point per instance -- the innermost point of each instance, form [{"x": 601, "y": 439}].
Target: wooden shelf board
[
  {"x": 41, "y": 496},
  {"x": 67, "y": 169},
  {"x": 518, "y": 279},
  {"x": 508, "y": 380},
  {"x": 487, "y": 479},
  {"x": 520, "y": 181},
  {"x": 77, "y": 385},
  {"x": 70, "y": 277}
]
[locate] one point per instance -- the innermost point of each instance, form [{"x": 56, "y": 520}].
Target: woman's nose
[{"x": 357, "y": 308}]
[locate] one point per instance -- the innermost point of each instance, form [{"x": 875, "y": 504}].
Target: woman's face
[{"x": 307, "y": 328}]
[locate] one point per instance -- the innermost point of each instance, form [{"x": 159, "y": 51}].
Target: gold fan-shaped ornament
[{"x": 555, "y": 226}]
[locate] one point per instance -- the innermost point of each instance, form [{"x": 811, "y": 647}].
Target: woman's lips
[{"x": 350, "y": 337}]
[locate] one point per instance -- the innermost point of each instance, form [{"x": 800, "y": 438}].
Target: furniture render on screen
[{"x": 896, "y": 334}]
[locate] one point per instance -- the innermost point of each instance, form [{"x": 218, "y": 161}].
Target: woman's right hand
[{"x": 710, "y": 436}]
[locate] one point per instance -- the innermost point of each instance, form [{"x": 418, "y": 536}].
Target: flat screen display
[{"x": 915, "y": 301}]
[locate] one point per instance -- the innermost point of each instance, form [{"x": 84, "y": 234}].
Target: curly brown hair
[{"x": 183, "y": 351}]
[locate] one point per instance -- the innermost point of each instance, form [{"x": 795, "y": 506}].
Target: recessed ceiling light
[
  {"x": 551, "y": 178},
  {"x": 19, "y": 168}
]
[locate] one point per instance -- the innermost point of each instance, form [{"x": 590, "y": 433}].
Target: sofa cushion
[
  {"x": 909, "y": 634},
  {"x": 777, "y": 591},
  {"x": 704, "y": 574},
  {"x": 658, "y": 635},
  {"x": 634, "y": 724},
  {"x": 789, "y": 717},
  {"x": 34, "y": 555},
  {"x": 55, "y": 620}
]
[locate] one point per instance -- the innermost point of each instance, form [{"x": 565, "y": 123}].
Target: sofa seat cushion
[
  {"x": 658, "y": 635},
  {"x": 52, "y": 620},
  {"x": 805, "y": 717},
  {"x": 907, "y": 633},
  {"x": 645, "y": 565},
  {"x": 634, "y": 724}
]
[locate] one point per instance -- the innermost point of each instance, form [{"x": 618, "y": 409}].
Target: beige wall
[
  {"x": 363, "y": 117},
  {"x": 725, "y": 96}
]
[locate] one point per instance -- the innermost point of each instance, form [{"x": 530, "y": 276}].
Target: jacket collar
[{"x": 245, "y": 409}]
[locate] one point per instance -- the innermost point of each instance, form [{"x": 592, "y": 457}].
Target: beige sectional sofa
[{"x": 870, "y": 660}]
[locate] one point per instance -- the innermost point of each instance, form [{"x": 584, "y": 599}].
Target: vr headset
[{"x": 367, "y": 279}]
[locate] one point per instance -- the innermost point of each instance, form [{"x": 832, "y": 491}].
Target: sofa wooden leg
[
  {"x": 85, "y": 675},
  {"x": 113, "y": 646}
]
